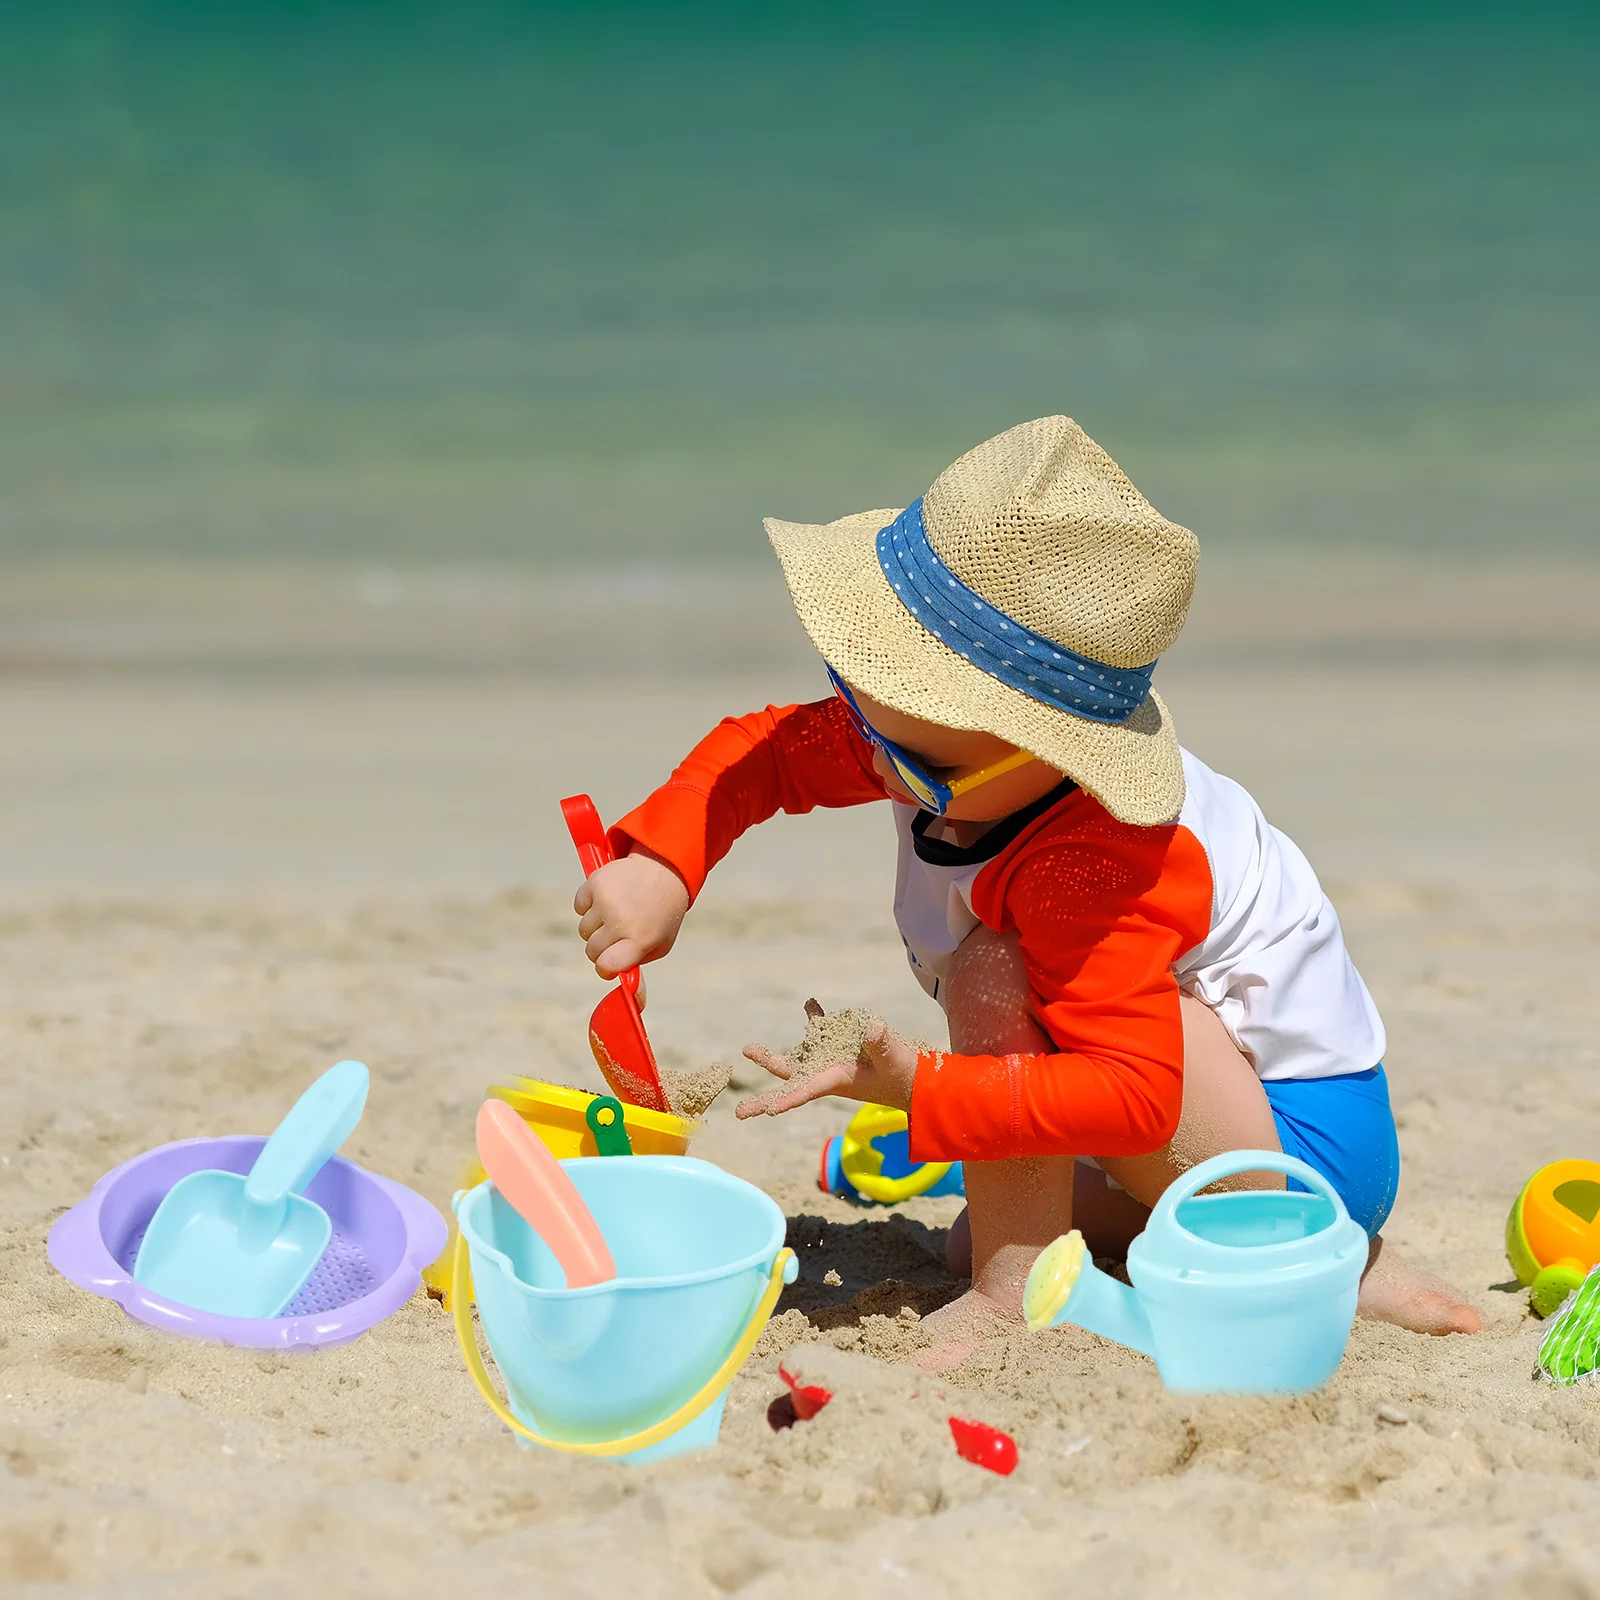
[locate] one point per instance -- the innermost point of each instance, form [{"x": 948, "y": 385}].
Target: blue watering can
[{"x": 1248, "y": 1292}]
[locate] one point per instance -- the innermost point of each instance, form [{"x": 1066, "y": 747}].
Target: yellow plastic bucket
[{"x": 557, "y": 1114}]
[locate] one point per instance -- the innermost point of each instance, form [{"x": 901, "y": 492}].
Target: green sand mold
[{"x": 1570, "y": 1349}]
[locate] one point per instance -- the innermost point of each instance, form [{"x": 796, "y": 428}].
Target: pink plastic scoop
[{"x": 543, "y": 1195}]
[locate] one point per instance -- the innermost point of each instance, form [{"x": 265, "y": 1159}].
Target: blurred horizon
[{"x": 589, "y": 283}]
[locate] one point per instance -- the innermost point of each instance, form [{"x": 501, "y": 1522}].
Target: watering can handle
[
  {"x": 461, "y": 1308},
  {"x": 1232, "y": 1162}
]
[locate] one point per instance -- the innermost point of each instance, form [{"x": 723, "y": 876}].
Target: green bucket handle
[{"x": 604, "y": 1116}]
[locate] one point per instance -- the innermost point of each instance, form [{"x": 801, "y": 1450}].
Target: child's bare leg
[
  {"x": 1014, "y": 1208},
  {"x": 1224, "y": 1108}
]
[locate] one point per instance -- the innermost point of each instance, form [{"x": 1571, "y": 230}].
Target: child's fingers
[
  {"x": 618, "y": 957},
  {"x": 590, "y": 922},
  {"x": 778, "y": 1066},
  {"x": 831, "y": 1080},
  {"x": 584, "y": 898},
  {"x": 881, "y": 1045}
]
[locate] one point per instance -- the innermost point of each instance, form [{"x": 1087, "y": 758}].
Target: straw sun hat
[{"x": 1027, "y": 595}]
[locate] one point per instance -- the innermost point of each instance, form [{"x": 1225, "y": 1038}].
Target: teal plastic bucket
[{"x": 695, "y": 1251}]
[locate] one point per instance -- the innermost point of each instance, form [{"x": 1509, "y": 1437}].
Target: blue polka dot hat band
[{"x": 996, "y": 643}]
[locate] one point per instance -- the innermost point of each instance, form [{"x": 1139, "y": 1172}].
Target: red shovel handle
[
  {"x": 588, "y": 833},
  {"x": 594, "y": 851}
]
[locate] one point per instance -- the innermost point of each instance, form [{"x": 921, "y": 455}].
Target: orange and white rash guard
[{"x": 1112, "y": 919}]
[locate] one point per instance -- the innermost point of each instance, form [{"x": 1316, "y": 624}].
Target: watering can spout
[{"x": 1066, "y": 1286}]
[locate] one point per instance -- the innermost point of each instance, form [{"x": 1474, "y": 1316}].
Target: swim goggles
[{"x": 931, "y": 793}]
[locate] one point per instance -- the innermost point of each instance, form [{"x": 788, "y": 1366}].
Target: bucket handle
[
  {"x": 460, "y": 1291},
  {"x": 1232, "y": 1162}
]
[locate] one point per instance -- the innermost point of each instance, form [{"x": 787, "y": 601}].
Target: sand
[
  {"x": 691, "y": 1094},
  {"x": 216, "y": 885},
  {"x": 831, "y": 1037}
]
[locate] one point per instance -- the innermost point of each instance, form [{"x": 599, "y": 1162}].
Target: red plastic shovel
[
  {"x": 616, "y": 1030},
  {"x": 525, "y": 1172}
]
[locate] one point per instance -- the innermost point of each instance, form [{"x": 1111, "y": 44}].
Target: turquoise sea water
[{"x": 590, "y": 281}]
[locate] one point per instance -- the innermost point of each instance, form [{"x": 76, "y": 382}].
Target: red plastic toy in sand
[
  {"x": 808, "y": 1398},
  {"x": 616, "y": 1030},
  {"x": 984, "y": 1446},
  {"x": 976, "y": 1442}
]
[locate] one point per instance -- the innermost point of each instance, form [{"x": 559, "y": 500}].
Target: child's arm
[
  {"x": 1101, "y": 918},
  {"x": 785, "y": 758}
]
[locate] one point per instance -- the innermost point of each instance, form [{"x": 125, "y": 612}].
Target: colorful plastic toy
[
  {"x": 977, "y": 1442},
  {"x": 561, "y": 1117},
  {"x": 807, "y": 1399},
  {"x": 637, "y": 1366},
  {"x": 1570, "y": 1349},
  {"x": 572, "y": 1123},
  {"x": 870, "y": 1162},
  {"x": 244, "y": 1246},
  {"x": 525, "y": 1172},
  {"x": 984, "y": 1446},
  {"x": 1553, "y": 1231},
  {"x": 383, "y": 1235},
  {"x": 1248, "y": 1292}
]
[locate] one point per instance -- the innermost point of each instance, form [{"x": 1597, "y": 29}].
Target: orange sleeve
[
  {"x": 786, "y": 758},
  {"x": 1102, "y": 915}
]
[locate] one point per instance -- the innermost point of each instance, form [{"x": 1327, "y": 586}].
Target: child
[{"x": 1136, "y": 967}]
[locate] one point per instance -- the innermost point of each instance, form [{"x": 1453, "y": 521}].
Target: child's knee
[{"x": 988, "y": 999}]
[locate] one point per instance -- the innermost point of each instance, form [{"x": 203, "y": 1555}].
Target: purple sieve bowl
[{"x": 383, "y": 1236}]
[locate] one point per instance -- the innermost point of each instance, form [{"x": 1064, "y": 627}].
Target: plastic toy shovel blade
[
  {"x": 526, "y": 1173},
  {"x": 622, "y": 1050},
  {"x": 244, "y": 1246},
  {"x": 616, "y": 1030}
]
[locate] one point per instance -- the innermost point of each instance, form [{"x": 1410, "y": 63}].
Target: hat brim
[{"x": 867, "y": 636}]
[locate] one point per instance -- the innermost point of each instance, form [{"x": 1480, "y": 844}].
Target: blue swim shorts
[{"x": 1344, "y": 1128}]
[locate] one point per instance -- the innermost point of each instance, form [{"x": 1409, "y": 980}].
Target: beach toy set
[
  {"x": 1553, "y": 1231},
  {"x": 573, "y": 1124},
  {"x": 636, "y": 1118},
  {"x": 266, "y": 1243},
  {"x": 870, "y": 1162},
  {"x": 621, "y": 1284},
  {"x": 1247, "y": 1292}
]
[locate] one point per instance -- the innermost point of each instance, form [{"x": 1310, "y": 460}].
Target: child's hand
[
  {"x": 882, "y": 1074},
  {"x": 630, "y": 911}
]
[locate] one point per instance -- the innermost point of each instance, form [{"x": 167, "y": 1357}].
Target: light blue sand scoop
[{"x": 244, "y": 1246}]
